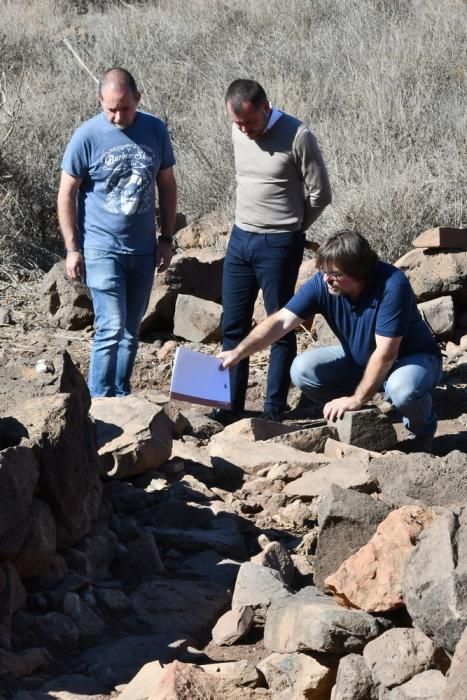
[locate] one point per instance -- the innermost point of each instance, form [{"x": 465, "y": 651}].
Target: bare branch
[{"x": 80, "y": 61}]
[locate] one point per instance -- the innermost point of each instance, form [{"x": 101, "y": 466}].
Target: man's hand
[
  {"x": 229, "y": 358},
  {"x": 74, "y": 266},
  {"x": 337, "y": 407},
  {"x": 164, "y": 255}
]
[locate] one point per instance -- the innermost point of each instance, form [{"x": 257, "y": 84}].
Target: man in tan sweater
[{"x": 282, "y": 187}]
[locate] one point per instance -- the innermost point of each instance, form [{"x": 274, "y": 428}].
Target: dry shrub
[{"x": 381, "y": 83}]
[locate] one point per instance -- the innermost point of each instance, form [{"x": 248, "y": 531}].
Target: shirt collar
[{"x": 273, "y": 117}]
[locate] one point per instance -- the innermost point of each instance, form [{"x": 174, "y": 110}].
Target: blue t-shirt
[
  {"x": 386, "y": 307},
  {"x": 116, "y": 200}
]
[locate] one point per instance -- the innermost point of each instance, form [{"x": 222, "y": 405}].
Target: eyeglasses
[{"x": 333, "y": 275}]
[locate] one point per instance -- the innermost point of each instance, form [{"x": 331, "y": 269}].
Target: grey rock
[
  {"x": 67, "y": 302},
  {"x": 310, "y": 621},
  {"x": 184, "y": 608},
  {"x": 197, "y": 320},
  {"x": 19, "y": 473},
  {"x": 224, "y": 541},
  {"x": 354, "y": 680},
  {"x": 439, "y": 314},
  {"x": 56, "y": 631},
  {"x": 240, "y": 673},
  {"x": 398, "y": 655},
  {"x": 199, "y": 274},
  {"x": 310, "y": 439},
  {"x": 421, "y": 479},
  {"x": 63, "y": 439},
  {"x": 435, "y": 273},
  {"x": 347, "y": 521},
  {"x": 232, "y": 626},
  {"x": 39, "y": 547},
  {"x": 113, "y": 600},
  {"x": 143, "y": 556},
  {"x": 350, "y": 472},
  {"x": 428, "y": 685},
  {"x": 276, "y": 556},
  {"x": 89, "y": 624},
  {"x": 368, "y": 428},
  {"x": 24, "y": 663},
  {"x": 258, "y": 586},
  {"x": 433, "y": 583},
  {"x": 297, "y": 676},
  {"x": 457, "y": 674},
  {"x": 12, "y": 598},
  {"x": 134, "y": 435}
]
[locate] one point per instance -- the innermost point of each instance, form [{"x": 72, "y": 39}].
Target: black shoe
[
  {"x": 274, "y": 416},
  {"x": 224, "y": 416}
]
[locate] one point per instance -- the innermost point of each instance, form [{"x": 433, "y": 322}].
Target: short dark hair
[
  {"x": 244, "y": 90},
  {"x": 351, "y": 252},
  {"x": 120, "y": 76}
]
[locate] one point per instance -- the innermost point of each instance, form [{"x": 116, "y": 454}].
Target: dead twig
[{"x": 80, "y": 60}]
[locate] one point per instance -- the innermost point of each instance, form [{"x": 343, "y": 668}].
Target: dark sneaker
[
  {"x": 224, "y": 416},
  {"x": 272, "y": 416}
]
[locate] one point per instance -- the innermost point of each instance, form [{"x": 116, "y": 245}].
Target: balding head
[
  {"x": 119, "y": 97},
  {"x": 118, "y": 79}
]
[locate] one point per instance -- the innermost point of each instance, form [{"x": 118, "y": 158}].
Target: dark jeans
[{"x": 270, "y": 262}]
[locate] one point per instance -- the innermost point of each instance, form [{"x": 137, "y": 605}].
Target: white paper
[{"x": 196, "y": 377}]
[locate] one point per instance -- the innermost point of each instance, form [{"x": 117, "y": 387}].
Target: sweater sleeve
[{"x": 314, "y": 174}]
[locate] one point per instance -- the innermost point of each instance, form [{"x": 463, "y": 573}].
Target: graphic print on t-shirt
[{"x": 129, "y": 182}]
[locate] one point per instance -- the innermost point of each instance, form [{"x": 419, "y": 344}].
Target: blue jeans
[
  {"x": 270, "y": 262},
  {"x": 324, "y": 374},
  {"x": 120, "y": 285}
]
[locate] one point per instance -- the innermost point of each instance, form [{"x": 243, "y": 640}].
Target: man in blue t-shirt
[
  {"x": 372, "y": 309},
  {"x": 106, "y": 210}
]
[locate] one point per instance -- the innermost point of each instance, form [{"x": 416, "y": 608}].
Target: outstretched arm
[
  {"x": 379, "y": 364},
  {"x": 267, "y": 332}
]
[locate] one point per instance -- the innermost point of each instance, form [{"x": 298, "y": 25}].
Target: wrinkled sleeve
[{"x": 314, "y": 174}]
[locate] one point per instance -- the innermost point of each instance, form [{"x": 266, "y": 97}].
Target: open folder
[{"x": 196, "y": 377}]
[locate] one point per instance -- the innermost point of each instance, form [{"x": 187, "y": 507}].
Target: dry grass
[{"x": 381, "y": 82}]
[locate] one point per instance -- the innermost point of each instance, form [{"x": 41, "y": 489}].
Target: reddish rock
[
  {"x": 371, "y": 579},
  {"x": 442, "y": 237}
]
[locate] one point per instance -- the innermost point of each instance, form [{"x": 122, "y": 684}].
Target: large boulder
[
  {"x": 434, "y": 273},
  {"x": 199, "y": 275},
  {"x": 39, "y": 547},
  {"x": 48, "y": 412},
  {"x": 310, "y": 621},
  {"x": 12, "y": 597},
  {"x": 371, "y": 578},
  {"x": 67, "y": 302},
  {"x": 133, "y": 434}
]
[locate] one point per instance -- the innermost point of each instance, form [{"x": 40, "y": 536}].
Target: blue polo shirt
[
  {"x": 116, "y": 199},
  {"x": 386, "y": 307}
]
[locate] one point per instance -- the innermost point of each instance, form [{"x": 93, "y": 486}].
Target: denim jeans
[
  {"x": 270, "y": 262},
  {"x": 326, "y": 373},
  {"x": 120, "y": 285}
]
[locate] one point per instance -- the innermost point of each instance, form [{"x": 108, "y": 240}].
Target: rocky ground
[{"x": 150, "y": 553}]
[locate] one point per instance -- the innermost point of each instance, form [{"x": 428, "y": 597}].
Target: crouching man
[{"x": 384, "y": 342}]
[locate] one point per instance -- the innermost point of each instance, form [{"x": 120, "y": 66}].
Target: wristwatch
[{"x": 168, "y": 239}]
